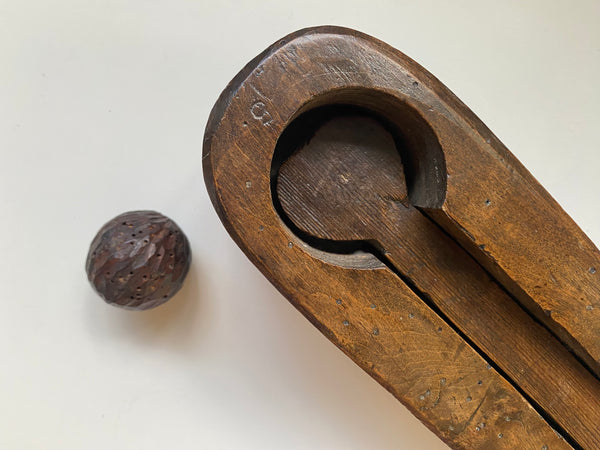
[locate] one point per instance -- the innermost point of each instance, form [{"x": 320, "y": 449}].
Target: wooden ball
[{"x": 138, "y": 260}]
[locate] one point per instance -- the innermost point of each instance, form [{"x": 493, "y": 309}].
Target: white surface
[{"x": 102, "y": 110}]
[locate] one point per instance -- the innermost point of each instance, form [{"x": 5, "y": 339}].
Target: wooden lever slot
[
  {"x": 346, "y": 183},
  {"x": 385, "y": 211}
]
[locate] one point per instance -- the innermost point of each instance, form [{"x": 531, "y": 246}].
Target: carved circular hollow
[
  {"x": 303, "y": 72},
  {"x": 361, "y": 116}
]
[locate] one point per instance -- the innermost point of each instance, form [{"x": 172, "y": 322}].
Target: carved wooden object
[
  {"x": 399, "y": 225},
  {"x": 138, "y": 260}
]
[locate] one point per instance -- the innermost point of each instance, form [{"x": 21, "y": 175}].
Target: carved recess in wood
[{"x": 372, "y": 264}]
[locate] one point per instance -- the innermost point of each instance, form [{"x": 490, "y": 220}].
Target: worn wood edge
[
  {"x": 223, "y": 103},
  {"x": 212, "y": 128}
]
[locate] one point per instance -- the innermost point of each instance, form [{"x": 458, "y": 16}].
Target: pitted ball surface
[{"x": 138, "y": 260}]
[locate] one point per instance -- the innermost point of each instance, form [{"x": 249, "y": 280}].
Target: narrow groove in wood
[
  {"x": 347, "y": 247},
  {"x": 431, "y": 304},
  {"x": 345, "y": 184},
  {"x": 533, "y": 317}
]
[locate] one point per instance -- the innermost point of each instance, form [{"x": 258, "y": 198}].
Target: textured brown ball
[{"x": 138, "y": 260}]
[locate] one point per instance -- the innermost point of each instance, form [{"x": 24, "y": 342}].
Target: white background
[{"x": 102, "y": 110}]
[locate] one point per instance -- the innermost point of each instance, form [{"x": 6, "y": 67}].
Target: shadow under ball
[{"x": 138, "y": 260}]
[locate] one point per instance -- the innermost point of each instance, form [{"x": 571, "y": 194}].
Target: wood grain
[
  {"x": 378, "y": 315},
  {"x": 348, "y": 184}
]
